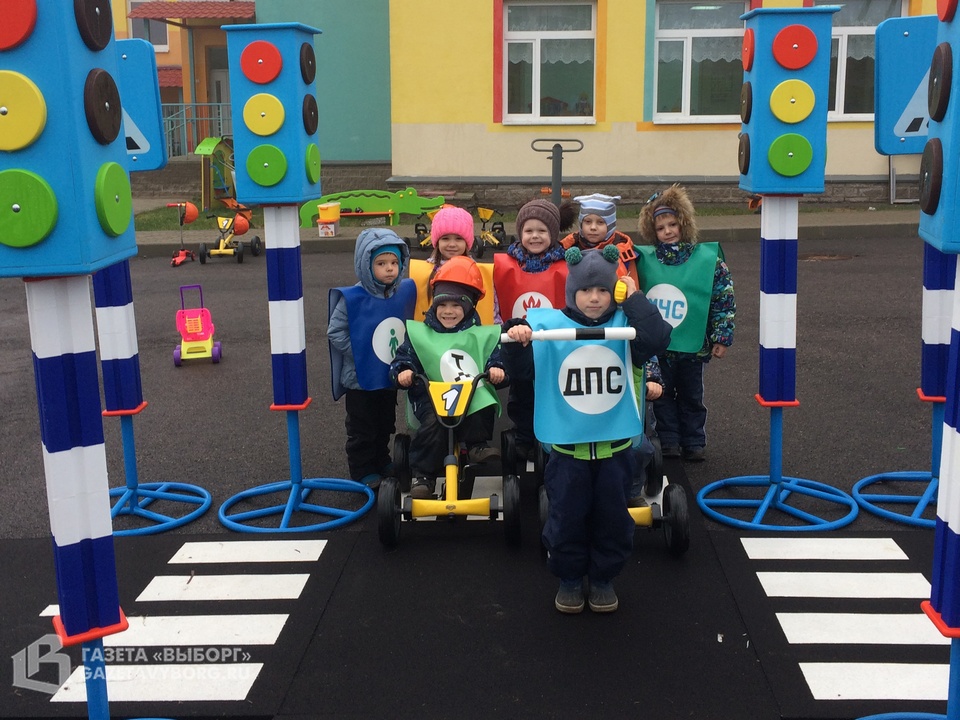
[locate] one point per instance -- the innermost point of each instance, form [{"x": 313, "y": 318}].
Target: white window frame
[
  {"x": 686, "y": 36},
  {"x": 156, "y": 48},
  {"x": 842, "y": 34},
  {"x": 534, "y": 38}
]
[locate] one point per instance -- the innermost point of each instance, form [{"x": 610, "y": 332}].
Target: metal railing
[{"x": 186, "y": 124}]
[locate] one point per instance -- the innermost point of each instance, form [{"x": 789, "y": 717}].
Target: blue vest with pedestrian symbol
[
  {"x": 681, "y": 292},
  {"x": 376, "y": 331},
  {"x": 583, "y": 389}
]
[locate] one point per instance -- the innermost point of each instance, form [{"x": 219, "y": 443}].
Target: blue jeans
[{"x": 681, "y": 414}]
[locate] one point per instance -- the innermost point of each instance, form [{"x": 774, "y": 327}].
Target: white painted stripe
[
  {"x": 50, "y": 611},
  {"x": 779, "y": 218},
  {"x": 936, "y": 314},
  {"x": 822, "y": 549},
  {"x": 859, "y": 629},
  {"x": 778, "y": 320},
  {"x": 948, "y": 491},
  {"x": 78, "y": 494},
  {"x": 117, "y": 332},
  {"x": 61, "y": 317},
  {"x": 876, "y": 681},
  {"x": 250, "y": 551},
  {"x": 167, "y": 683},
  {"x": 287, "y": 333},
  {"x": 210, "y": 630},
  {"x": 844, "y": 585},
  {"x": 224, "y": 587},
  {"x": 281, "y": 226}
]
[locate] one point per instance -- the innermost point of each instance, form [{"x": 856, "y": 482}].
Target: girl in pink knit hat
[{"x": 451, "y": 234}]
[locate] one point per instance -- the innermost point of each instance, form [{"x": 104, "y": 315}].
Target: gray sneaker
[
  {"x": 570, "y": 597},
  {"x": 423, "y": 488},
  {"x": 603, "y": 599}
]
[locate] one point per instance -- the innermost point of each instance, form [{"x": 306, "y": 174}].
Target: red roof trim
[{"x": 195, "y": 10}]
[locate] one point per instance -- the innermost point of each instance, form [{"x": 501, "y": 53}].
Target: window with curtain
[
  {"x": 851, "y": 79},
  {"x": 549, "y": 62},
  {"x": 153, "y": 31},
  {"x": 697, "y": 52}
]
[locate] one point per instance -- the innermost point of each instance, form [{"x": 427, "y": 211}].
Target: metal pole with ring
[{"x": 557, "y": 148}]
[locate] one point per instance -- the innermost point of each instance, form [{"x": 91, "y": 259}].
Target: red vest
[{"x": 517, "y": 291}]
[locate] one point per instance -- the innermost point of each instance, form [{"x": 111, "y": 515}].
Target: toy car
[{"x": 227, "y": 244}]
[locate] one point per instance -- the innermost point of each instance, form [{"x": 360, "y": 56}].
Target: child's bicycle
[
  {"x": 196, "y": 330},
  {"x": 227, "y": 244},
  {"x": 495, "y": 237},
  {"x": 450, "y": 401}
]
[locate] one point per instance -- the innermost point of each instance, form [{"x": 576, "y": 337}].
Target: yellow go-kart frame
[{"x": 450, "y": 401}]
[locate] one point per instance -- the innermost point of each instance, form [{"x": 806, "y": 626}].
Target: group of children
[{"x": 675, "y": 292}]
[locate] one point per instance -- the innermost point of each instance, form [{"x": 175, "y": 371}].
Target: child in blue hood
[{"x": 366, "y": 326}]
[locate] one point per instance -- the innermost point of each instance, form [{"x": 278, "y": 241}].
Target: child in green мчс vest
[
  {"x": 691, "y": 285},
  {"x": 448, "y": 344}
]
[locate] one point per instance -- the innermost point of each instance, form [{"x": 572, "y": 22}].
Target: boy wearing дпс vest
[
  {"x": 586, "y": 409},
  {"x": 365, "y": 328},
  {"x": 691, "y": 285},
  {"x": 450, "y": 344}
]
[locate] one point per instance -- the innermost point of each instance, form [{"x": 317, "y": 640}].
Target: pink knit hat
[{"x": 452, "y": 221}]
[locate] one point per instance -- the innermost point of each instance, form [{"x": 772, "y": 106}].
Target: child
[
  {"x": 364, "y": 331},
  {"x": 598, "y": 228},
  {"x": 451, "y": 233},
  {"x": 531, "y": 273},
  {"x": 449, "y": 343},
  {"x": 694, "y": 291},
  {"x": 587, "y": 411}
]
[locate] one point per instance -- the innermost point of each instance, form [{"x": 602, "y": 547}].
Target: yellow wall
[{"x": 442, "y": 103}]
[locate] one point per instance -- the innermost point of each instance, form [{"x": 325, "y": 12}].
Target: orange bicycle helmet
[{"x": 462, "y": 270}]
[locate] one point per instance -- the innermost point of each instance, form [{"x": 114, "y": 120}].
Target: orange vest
[
  {"x": 420, "y": 271},
  {"x": 628, "y": 254},
  {"x": 518, "y": 291}
]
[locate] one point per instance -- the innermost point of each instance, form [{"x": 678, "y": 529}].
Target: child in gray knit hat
[{"x": 589, "y": 532}]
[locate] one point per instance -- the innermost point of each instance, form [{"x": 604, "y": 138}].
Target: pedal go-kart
[
  {"x": 495, "y": 237},
  {"x": 196, "y": 330},
  {"x": 450, "y": 401},
  {"x": 227, "y": 244}
]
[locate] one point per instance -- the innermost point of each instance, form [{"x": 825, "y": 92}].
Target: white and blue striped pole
[
  {"x": 777, "y": 390},
  {"x": 123, "y": 397},
  {"x": 75, "y": 468}
]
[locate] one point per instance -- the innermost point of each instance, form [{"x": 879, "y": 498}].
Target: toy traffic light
[
  {"x": 783, "y": 100},
  {"x": 938, "y": 171},
  {"x": 272, "y": 72},
  {"x": 65, "y": 200}
]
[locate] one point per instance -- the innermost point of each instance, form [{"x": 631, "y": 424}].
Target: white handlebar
[{"x": 617, "y": 333}]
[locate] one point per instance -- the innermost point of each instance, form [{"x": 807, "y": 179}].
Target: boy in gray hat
[{"x": 586, "y": 410}]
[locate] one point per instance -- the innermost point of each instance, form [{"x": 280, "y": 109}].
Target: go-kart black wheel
[
  {"x": 478, "y": 248},
  {"x": 539, "y": 460},
  {"x": 256, "y": 246},
  {"x": 508, "y": 453},
  {"x": 388, "y": 512},
  {"x": 676, "y": 519},
  {"x": 511, "y": 510},
  {"x": 239, "y": 252},
  {"x": 543, "y": 512},
  {"x": 401, "y": 461},
  {"x": 654, "y": 470},
  {"x": 202, "y": 252}
]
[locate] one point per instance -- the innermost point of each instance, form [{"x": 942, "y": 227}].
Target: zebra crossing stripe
[
  {"x": 224, "y": 587},
  {"x": 249, "y": 551},
  {"x": 844, "y": 585},
  {"x": 822, "y": 549},
  {"x": 875, "y": 681},
  {"x": 212, "y": 630},
  {"x": 859, "y": 629},
  {"x": 167, "y": 683}
]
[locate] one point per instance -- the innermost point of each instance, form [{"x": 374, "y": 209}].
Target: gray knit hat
[
  {"x": 544, "y": 211},
  {"x": 593, "y": 268},
  {"x": 604, "y": 206}
]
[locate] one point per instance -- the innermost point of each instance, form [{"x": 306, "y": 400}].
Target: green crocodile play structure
[{"x": 371, "y": 202}]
